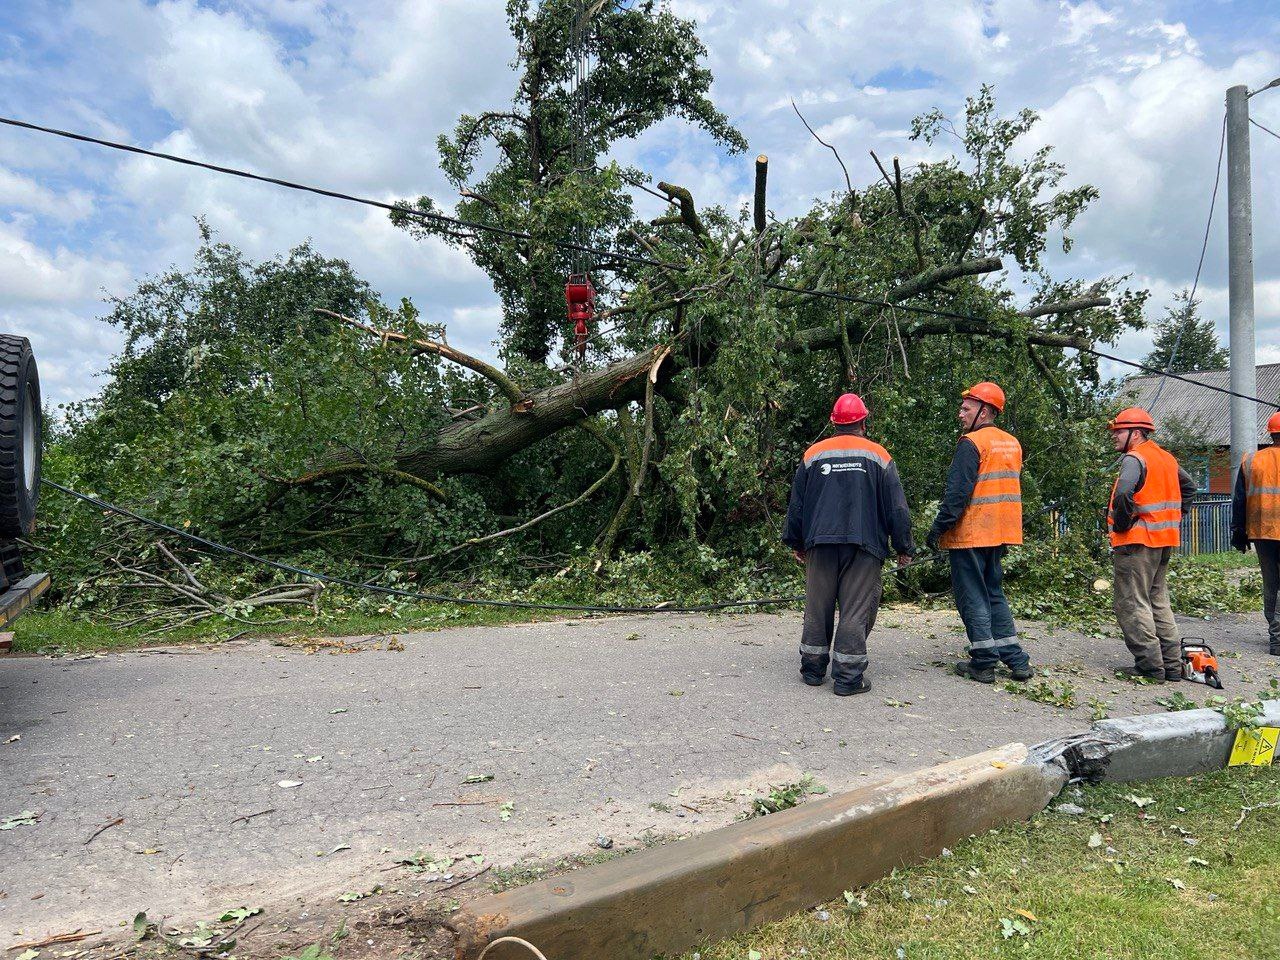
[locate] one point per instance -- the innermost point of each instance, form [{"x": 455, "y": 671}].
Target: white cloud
[
  {"x": 352, "y": 96},
  {"x": 33, "y": 274}
]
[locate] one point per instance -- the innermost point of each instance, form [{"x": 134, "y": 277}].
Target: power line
[
  {"x": 1204, "y": 246},
  {"x": 582, "y": 248},
  {"x": 216, "y": 547},
  {"x": 1264, "y": 129},
  {"x": 459, "y": 222}
]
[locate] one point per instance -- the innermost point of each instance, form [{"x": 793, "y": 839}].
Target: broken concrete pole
[
  {"x": 669, "y": 899},
  {"x": 1177, "y": 744}
]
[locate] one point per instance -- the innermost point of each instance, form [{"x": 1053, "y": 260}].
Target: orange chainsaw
[{"x": 1200, "y": 665}]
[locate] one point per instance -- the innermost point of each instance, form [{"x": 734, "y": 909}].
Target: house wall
[{"x": 1220, "y": 470}]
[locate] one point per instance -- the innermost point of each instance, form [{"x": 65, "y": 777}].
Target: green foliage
[
  {"x": 784, "y": 796},
  {"x": 543, "y": 179},
  {"x": 1061, "y": 694}
]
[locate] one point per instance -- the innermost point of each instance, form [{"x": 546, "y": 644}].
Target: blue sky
[{"x": 352, "y": 95}]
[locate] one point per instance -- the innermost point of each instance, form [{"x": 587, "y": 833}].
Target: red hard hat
[
  {"x": 849, "y": 408},
  {"x": 987, "y": 392},
  {"x": 1273, "y": 423},
  {"x": 1132, "y": 418}
]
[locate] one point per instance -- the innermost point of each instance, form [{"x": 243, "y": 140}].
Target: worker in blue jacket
[{"x": 847, "y": 504}]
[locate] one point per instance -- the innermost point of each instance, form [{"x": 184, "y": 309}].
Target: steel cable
[{"x": 216, "y": 547}]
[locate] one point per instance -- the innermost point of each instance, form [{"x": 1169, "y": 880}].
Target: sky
[{"x": 351, "y": 96}]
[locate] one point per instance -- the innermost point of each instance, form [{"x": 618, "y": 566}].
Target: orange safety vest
[
  {"x": 1262, "y": 494},
  {"x": 994, "y": 514},
  {"x": 1158, "y": 501}
]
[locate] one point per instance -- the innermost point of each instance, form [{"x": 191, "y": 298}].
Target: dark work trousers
[
  {"x": 1269, "y": 561},
  {"x": 977, "y": 579},
  {"x": 1141, "y": 602},
  {"x": 847, "y": 576}
]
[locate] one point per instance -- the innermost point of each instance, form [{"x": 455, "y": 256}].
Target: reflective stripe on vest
[
  {"x": 1262, "y": 494},
  {"x": 1158, "y": 502},
  {"x": 845, "y": 447},
  {"x": 993, "y": 515}
]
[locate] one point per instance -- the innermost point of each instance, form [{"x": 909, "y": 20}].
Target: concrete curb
[
  {"x": 1177, "y": 744},
  {"x": 669, "y": 899}
]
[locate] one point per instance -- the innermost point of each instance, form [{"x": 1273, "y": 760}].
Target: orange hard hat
[
  {"x": 1132, "y": 418},
  {"x": 1273, "y": 423},
  {"x": 987, "y": 392},
  {"x": 848, "y": 408}
]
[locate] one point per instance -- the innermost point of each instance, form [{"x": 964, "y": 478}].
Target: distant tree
[{"x": 1198, "y": 349}]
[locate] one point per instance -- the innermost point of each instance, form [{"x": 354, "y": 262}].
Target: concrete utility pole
[{"x": 1244, "y": 372}]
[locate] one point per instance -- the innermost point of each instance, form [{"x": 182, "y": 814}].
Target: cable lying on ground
[{"x": 216, "y": 547}]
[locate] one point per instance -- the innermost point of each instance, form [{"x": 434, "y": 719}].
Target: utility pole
[{"x": 1244, "y": 372}]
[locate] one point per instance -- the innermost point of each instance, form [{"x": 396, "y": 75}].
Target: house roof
[{"x": 1206, "y": 411}]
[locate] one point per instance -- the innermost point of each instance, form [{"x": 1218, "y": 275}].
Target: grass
[
  {"x": 62, "y": 631},
  {"x": 1167, "y": 880}
]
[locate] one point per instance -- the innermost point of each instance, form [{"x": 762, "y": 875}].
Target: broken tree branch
[
  {"x": 346, "y": 469},
  {"x": 825, "y": 338},
  {"x": 510, "y": 389},
  {"x": 847, "y": 182},
  {"x": 762, "y": 179},
  {"x": 688, "y": 212},
  {"x": 1065, "y": 306}
]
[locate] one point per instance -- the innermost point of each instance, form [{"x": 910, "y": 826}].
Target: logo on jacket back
[{"x": 843, "y": 467}]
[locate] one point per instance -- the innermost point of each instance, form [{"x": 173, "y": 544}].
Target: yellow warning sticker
[{"x": 1254, "y": 747}]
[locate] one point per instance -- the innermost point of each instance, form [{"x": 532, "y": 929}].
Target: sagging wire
[{"x": 216, "y": 547}]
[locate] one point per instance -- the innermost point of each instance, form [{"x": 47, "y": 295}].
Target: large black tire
[{"x": 20, "y": 437}]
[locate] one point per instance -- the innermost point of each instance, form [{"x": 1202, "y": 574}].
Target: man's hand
[
  {"x": 903, "y": 560},
  {"x": 1241, "y": 543},
  {"x": 799, "y": 555},
  {"x": 931, "y": 540}
]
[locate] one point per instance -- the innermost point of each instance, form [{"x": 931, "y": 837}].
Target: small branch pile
[{"x": 171, "y": 601}]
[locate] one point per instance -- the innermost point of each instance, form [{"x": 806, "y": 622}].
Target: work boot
[
  {"x": 967, "y": 670},
  {"x": 1173, "y": 676},
  {"x": 843, "y": 690},
  {"x": 1021, "y": 674},
  {"x": 1132, "y": 673},
  {"x": 813, "y": 681},
  {"x": 1275, "y": 650}
]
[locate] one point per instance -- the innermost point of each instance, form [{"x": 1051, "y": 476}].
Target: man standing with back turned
[
  {"x": 846, "y": 504},
  {"x": 1255, "y": 517},
  {"x": 980, "y": 516},
  {"x": 1143, "y": 521}
]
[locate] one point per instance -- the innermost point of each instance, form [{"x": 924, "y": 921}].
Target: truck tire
[{"x": 20, "y": 437}]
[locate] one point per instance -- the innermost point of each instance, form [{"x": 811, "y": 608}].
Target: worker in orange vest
[
  {"x": 980, "y": 516},
  {"x": 1143, "y": 520},
  {"x": 1255, "y": 518}
]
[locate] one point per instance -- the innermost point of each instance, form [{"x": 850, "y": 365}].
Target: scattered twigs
[
  {"x": 467, "y": 879},
  {"x": 75, "y": 936},
  {"x": 1245, "y": 811},
  {"x": 103, "y": 829},
  {"x": 168, "y": 605},
  {"x": 249, "y": 816}
]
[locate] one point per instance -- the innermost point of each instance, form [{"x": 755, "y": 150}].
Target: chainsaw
[{"x": 1200, "y": 665}]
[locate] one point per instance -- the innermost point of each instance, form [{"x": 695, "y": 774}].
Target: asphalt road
[{"x": 254, "y": 774}]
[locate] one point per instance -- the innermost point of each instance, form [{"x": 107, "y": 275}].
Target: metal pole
[{"x": 1244, "y": 374}]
